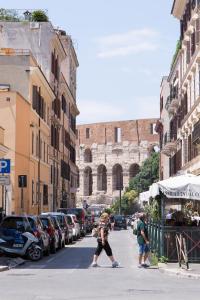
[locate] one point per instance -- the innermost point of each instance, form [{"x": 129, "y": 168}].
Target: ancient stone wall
[{"x": 109, "y": 154}]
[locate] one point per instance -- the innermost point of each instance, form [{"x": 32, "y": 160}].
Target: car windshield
[
  {"x": 12, "y": 223},
  {"x": 59, "y": 218},
  {"x": 45, "y": 222},
  {"x": 32, "y": 222},
  {"x": 75, "y": 211},
  {"x": 69, "y": 220}
]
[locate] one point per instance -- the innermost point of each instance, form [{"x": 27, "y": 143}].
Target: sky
[{"x": 124, "y": 47}]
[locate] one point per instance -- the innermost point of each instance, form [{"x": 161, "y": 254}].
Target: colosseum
[{"x": 109, "y": 155}]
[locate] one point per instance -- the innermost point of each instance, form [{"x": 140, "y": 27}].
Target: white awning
[
  {"x": 144, "y": 197},
  {"x": 184, "y": 186}
]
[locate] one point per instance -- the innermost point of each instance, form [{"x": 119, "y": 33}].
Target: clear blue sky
[{"x": 124, "y": 48}]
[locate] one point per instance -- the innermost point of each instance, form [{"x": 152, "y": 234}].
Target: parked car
[
  {"x": 120, "y": 222},
  {"x": 53, "y": 233},
  {"x": 17, "y": 238},
  {"x": 63, "y": 222},
  {"x": 80, "y": 214},
  {"x": 61, "y": 231},
  {"x": 72, "y": 220},
  {"x": 40, "y": 233}
]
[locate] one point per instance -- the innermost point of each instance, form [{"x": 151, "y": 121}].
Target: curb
[
  {"x": 180, "y": 273},
  {"x": 12, "y": 264},
  {"x": 4, "y": 268}
]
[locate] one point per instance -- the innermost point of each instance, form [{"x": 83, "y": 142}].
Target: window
[
  {"x": 45, "y": 194},
  {"x": 44, "y": 148},
  {"x": 153, "y": 128},
  {"x": 65, "y": 170},
  {"x": 87, "y": 133},
  {"x": 32, "y": 143},
  {"x": 37, "y": 146},
  {"x": 33, "y": 194},
  {"x": 64, "y": 104},
  {"x": 117, "y": 135}
]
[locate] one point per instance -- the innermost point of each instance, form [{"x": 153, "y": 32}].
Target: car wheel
[
  {"x": 60, "y": 244},
  {"x": 47, "y": 252},
  {"x": 53, "y": 248},
  {"x": 34, "y": 253}
]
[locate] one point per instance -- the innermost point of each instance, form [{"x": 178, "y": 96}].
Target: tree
[
  {"x": 9, "y": 15},
  {"x": 149, "y": 173},
  {"x": 128, "y": 203},
  {"x": 39, "y": 16}
]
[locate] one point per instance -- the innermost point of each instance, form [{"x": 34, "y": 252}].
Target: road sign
[
  {"x": 4, "y": 166},
  {"x": 22, "y": 181},
  {"x": 4, "y": 179}
]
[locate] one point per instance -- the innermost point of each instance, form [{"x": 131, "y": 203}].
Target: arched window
[
  {"x": 87, "y": 155},
  {"x": 88, "y": 182},
  {"x": 101, "y": 178},
  {"x": 133, "y": 170},
  {"x": 117, "y": 177}
]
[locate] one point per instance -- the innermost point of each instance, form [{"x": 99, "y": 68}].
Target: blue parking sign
[{"x": 4, "y": 166}]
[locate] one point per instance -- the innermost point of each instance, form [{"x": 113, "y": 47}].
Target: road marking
[{"x": 51, "y": 259}]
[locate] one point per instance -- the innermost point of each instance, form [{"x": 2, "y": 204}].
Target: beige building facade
[
  {"x": 45, "y": 61},
  {"x": 183, "y": 105},
  {"x": 109, "y": 155}
]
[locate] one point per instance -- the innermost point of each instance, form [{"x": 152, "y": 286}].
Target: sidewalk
[
  {"x": 7, "y": 263},
  {"x": 173, "y": 269}
]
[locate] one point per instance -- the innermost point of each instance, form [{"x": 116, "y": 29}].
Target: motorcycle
[{"x": 21, "y": 244}]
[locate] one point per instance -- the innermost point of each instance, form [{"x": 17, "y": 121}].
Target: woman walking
[{"x": 102, "y": 241}]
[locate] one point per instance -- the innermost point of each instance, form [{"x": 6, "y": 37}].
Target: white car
[{"x": 73, "y": 222}]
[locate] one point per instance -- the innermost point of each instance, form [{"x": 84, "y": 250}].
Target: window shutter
[
  {"x": 34, "y": 97},
  {"x": 188, "y": 53},
  {"x": 52, "y": 63},
  {"x": 197, "y": 31},
  {"x": 193, "y": 43}
]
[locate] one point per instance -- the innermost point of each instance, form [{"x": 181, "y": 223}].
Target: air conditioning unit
[{"x": 34, "y": 25}]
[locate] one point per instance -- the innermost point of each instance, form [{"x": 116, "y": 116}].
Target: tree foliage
[
  {"x": 39, "y": 16},
  {"x": 128, "y": 203},
  {"x": 9, "y": 15},
  {"x": 149, "y": 173}
]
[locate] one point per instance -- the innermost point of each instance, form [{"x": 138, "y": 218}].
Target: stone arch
[
  {"x": 101, "y": 178},
  {"x": 133, "y": 170},
  {"x": 88, "y": 155},
  {"x": 117, "y": 177},
  {"x": 88, "y": 182}
]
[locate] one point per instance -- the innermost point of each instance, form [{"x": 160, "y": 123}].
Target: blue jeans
[{"x": 143, "y": 248}]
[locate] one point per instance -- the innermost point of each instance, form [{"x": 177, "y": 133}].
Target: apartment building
[
  {"x": 109, "y": 155},
  {"x": 183, "y": 104},
  {"x": 56, "y": 62},
  {"x": 162, "y": 127}
]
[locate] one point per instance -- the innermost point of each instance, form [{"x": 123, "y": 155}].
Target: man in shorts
[{"x": 143, "y": 241}]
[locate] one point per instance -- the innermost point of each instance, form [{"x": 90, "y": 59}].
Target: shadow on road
[{"x": 67, "y": 258}]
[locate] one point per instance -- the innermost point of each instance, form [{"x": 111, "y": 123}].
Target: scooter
[{"x": 22, "y": 244}]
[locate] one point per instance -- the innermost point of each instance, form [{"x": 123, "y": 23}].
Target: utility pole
[{"x": 120, "y": 194}]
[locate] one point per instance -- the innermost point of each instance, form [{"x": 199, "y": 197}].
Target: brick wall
[{"x": 131, "y": 131}]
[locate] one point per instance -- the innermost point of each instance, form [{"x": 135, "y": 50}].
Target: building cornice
[{"x": 178, "y": 8}]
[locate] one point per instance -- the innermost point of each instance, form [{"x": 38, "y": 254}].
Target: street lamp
[{"x": 120, "y": 194}]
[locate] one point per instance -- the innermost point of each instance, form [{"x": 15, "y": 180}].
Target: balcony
[
  {"x": 169, "y": 143},
  {"x": 173, "y": 99}
]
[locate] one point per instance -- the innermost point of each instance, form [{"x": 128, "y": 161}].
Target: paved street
[{"x": 67, "y": 275}]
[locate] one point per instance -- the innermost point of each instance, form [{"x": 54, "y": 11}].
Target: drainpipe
[{"x": 138, "y": 138}]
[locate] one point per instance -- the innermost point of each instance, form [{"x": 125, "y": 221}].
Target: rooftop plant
[
  {"x": 9, "y": 15},
  {"x": 39, "y": 16},
  {"x": 178, "y": 47}
]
